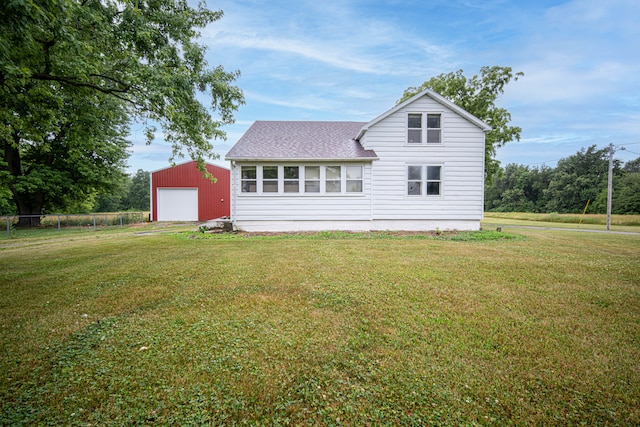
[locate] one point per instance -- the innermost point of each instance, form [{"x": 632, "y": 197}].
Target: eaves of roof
[{"x": 436, "y": 97}]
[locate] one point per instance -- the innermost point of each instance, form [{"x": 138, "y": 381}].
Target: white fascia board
[{"x": 301, "y": 160}]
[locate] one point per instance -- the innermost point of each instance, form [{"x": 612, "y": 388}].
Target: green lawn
[
  {"x": 576, "y": 221},
  {"x": 530, "y": 327}
]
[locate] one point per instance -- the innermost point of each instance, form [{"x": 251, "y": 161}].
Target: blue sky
[{"x": 352, "y": 59}]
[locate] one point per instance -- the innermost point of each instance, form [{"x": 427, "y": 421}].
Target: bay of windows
[{"x": 316, "y": 179}]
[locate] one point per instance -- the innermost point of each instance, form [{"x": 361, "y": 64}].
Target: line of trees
[
  {"x": 127, "y": 193},
  {"x": 568, "y": 187}
]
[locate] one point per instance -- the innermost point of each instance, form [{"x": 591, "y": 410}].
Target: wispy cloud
[
  {"x": 352, "y": 59},
  {"x": 326, "y": 53}
]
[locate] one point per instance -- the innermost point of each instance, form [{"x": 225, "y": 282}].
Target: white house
[{"x": 418, "y": 166}]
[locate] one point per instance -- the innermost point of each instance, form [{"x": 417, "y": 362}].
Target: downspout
[
  {"x": 151, "y": 218},
  {"x": 233, "y": 194}
]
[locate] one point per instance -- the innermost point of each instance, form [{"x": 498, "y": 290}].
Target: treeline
[
  {"x": 130, "y": 194},
  {"x": 568, "y": 187},
  {"x": 126, "y": 193}
]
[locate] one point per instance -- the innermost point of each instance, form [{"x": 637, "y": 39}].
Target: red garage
[{"x": 181, "y": 193}]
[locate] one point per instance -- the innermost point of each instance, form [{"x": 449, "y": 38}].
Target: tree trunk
[{"x": 27, "y": 203}]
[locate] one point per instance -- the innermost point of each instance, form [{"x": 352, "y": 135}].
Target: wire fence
[{"x": 92, "y": 221}]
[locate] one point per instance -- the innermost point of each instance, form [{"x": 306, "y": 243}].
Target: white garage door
[{"x": 177, "y": 204}]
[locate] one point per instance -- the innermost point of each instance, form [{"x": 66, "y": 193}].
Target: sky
[{"x": 351, "y": 60}]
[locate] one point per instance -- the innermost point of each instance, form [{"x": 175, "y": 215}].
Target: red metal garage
[{"x": 181, "y": 193}]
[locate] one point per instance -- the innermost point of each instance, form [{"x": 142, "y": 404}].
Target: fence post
[
  {"x": 120, "y": 219},
  {"x": 94, "y": 222},
  {"x": 58, "y": 223},
  {"x": 8, "y": 228}
]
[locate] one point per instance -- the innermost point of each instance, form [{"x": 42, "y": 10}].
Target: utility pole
[
  {"x": 609, "y": 186},
  {"x": 610, "y": 183}
]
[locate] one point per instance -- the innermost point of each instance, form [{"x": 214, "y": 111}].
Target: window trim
[
  {"x": 427, "y": 180},
  {"x": 248, "y": 180},
  {"x": 424, "y": 129},
  {"x": 421, "y": 128},
  {"x": 302, "y": 180},
  {"x": 439, "y": 129},
  {"x": 270, "y": 180},
  {"x": 424, "y": 180},
  {"x": 347, "y": 180},
  {"x": 286, "y": 180},
  {"x": 326, "y": 180},
  {"x": 317, "y": 181}
]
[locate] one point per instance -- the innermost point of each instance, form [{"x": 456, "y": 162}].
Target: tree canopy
[
  {"x": 576, "y": 180},
  {"x": 75, "y": 73},
  {"x": 477, "y": 95}
]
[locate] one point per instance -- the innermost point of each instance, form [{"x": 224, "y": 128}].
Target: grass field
[
  {"x": 530, "y": 327},
  {"x": 577, "y": 221}
]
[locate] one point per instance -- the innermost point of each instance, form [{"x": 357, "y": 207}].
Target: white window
[
  {"x": 354, "y": 179},
  {"x": 434, "y": 180},
  {"x": 333, "y": 179},
  {"x": 270, "y": 179},
  {"x": 291, "y": 179},
  {"x": 434, "y": 130},
  {"x": 414, "y": 175},
  {"x": 424, "y": 180},
  {"x": 312, "y": 179},
  {"x": 248, "y": 179},
  {"x": 414, "y": 129}
]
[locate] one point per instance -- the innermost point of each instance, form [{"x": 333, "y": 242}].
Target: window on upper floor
[
  {"x": 414, "y": 129},
  {"x": 434, "y": 131},
  {"x": 417, "y": 133},
  {"x": 248, "y": 179},
  {"x": 424, "y": 180}
]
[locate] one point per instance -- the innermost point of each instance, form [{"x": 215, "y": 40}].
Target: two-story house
[{"x": 418, "y": 166}]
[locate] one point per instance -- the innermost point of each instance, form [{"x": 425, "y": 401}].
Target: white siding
[
  {"x": 277, "y": 212},
  {"x": 384, "y": 203},
  {"x": 461, "y": 155}
]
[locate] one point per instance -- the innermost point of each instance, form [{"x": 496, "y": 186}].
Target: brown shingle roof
[{"x": 298, "y": 140}]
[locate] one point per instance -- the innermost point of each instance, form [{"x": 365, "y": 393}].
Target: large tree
[
  {"x": 478, "y": 96},
  {"x": 578, "y": 179},
  {"x": 74, "y": 73},
  {"x": 138, "y": 192}
]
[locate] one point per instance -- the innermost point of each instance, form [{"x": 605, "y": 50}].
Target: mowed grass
[
  {"x": 577, "y": 221},
  {"x": 534, "y": 327}
]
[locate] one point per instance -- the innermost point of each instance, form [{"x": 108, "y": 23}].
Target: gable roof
[
  {"x": 300, "y": 140},
  {"x": 436, "y": 97}
]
